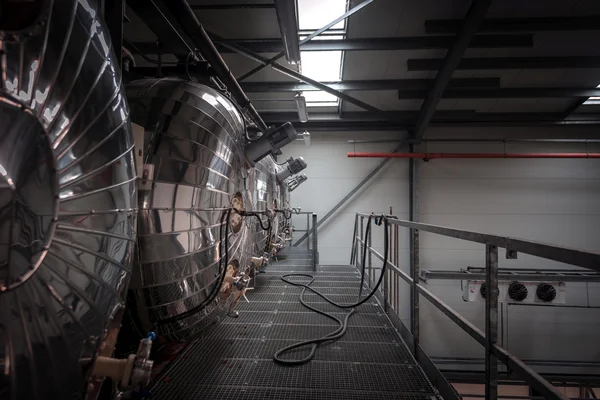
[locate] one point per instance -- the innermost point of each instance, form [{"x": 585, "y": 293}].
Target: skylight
[
  {"x": 589, "y": 101},
  {"x": 314, "y": 14},
  {"x": 323, "y": 66}
]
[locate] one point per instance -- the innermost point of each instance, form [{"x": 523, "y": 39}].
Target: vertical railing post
[
  {"x": 386, "y": 281},
  {"x": 315, "y": 242},
  {"x": 354, "y": 242},
  {"x": 414, "y": 255},
  {"x": 362, "y": 237},
  {"x": 491, "y": 321},
  {"x": 413, "y": 189},
  {"x": 308, "y": 231},
  {"x": 369, "y": 255},
  {"x": 396, "y": 277}
]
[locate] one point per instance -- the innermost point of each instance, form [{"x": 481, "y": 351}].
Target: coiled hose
[{"x": 343, "y": 324}]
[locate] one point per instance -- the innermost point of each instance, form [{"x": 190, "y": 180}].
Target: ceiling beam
[
  {"x": 504, "y": 93},
  {"x": 405, "y": 120},
  {"x": 433, "y": 64},
  {"x": 380, "y": 84},
  {"x": 366, "y": 44},
  {"x": 208, "y": 7},
  {"x": 518, "y": 24},
  {"x": 296, "y": 75},
  {"x": 470, "y": 26},
  {"x": 574, "y": 106},
  {"x": 311, "y": 36}
]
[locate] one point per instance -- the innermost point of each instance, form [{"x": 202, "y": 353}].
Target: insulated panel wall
[{"x": 549, "y": 200}]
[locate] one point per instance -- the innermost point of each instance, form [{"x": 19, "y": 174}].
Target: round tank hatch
[{"x": 28, "y": 195}]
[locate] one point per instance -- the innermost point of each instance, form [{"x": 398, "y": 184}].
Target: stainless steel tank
[
  {"x": 194, "y": 139},
  {"x": 265, "y": 198},
  {"x": 67, "y": 198},
  {"x": 284, "y": 236}
]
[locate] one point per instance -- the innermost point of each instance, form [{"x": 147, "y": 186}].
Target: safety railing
[
  {"x": 390, "y": 290},
  {"x": 312, "y": 244}
]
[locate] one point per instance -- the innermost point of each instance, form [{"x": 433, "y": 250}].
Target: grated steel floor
[{"x": 234, "y": 360}]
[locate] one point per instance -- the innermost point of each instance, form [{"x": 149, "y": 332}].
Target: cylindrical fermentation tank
[
  {"x": 196, "y": 170},
  {"x": 67, "y": 199}
]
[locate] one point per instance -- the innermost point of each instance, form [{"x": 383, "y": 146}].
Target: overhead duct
[
  {"x": 431, "y": 156},
  {"x": 270, "y": 142},
  {"x": 288, "y": 27},
  {"x": 293, "y": 166},
  {"x": 296, "y": 181},
  {"x": 67, "y": 199}
]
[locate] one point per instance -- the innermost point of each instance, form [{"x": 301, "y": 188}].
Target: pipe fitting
[{"x": 133, "y": 372}]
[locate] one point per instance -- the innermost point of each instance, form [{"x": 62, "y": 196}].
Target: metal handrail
[
  {"x": 567, "y": 255},
  {"x": 586, "y": 259}
]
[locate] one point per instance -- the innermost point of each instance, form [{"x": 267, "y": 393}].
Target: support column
[
  {"x": 413, "y": 188},
  {"x": 369, "y": 254},
  {"x": 491, "y": 321},
  {"x": 315, "y": 242}
]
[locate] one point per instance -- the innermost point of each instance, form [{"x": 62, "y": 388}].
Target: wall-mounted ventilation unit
[{"x": 517, "y": 292}]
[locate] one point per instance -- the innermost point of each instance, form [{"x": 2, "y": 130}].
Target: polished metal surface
[
  {"x": 264, "y": 198},
  {"x": 67, "y": 197},
  {"x": 194, "y": 138},
  {"x": 284, "y": 222}
]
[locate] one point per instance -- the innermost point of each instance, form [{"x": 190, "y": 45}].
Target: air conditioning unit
[{"x": 517, "y": 292}]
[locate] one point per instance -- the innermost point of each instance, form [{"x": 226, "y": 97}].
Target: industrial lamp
[{"x": 301, "y": 107}]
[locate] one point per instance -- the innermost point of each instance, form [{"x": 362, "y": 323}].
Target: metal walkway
[{"x": 234, "y": 361}]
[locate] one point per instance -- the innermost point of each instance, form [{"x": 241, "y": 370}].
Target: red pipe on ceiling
[{"x": 431, "y": 156}]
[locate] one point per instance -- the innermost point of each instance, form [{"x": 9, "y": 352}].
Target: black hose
[
  {"x": 287, "y": 214},
  {"x": 343, "y": 325},
  {"x": 222, "y": 272},
  {"x": 257, "y": 215},
  {"x": 222, "y": 266}
]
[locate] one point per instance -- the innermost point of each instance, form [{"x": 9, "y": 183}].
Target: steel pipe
[
  {"x": 190, "y": 24},
  {"x": 430, "y": 156}
]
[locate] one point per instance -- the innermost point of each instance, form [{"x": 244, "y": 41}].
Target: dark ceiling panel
[
  {"x": 507, "y": 93},
  {"x": 433, "y": 64},
  {"x": 518, "y": 24}
]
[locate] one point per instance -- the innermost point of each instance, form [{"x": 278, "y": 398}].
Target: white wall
[
  {"x": 554, "y": 201},
  {"x": 331, "y": 175}
]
